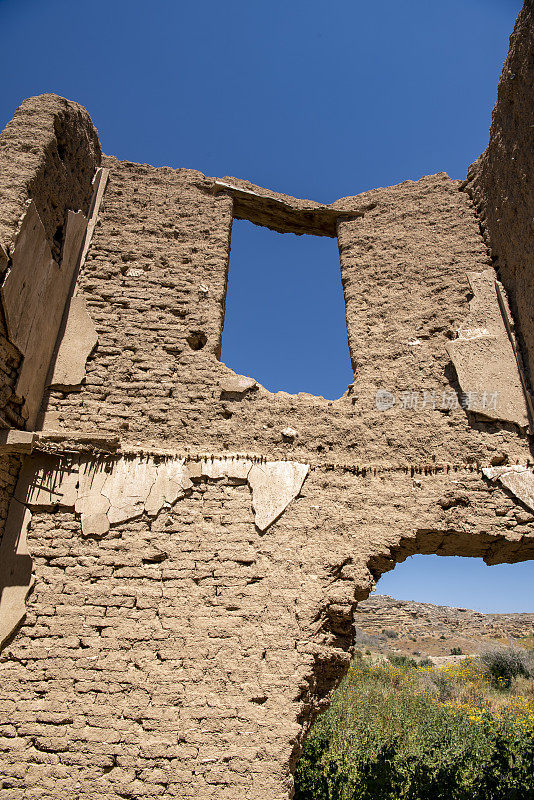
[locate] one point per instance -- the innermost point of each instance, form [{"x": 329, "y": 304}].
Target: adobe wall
[
  {"x": 185, "y": 550},
  {"x": 180, "y": 656},
  {"x": 156, "y": 275},
  {"x": 500, "y": 182},
  {"x": 48, "y": 155}
]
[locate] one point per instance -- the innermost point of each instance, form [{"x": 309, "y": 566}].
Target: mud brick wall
[
  {"x": 163, "y": 237},
  {"x": 185, "y": 651},
  {"x": 160, "y": 238},
  {"x": 500, "y": 182},
  {"x": 48, "y": 153},
  {"x": 404, "y": 269},
  {"x": 9, "y": 473},
  {"x": 184, "y": 655},
  {"x": 10, "y": 403}
]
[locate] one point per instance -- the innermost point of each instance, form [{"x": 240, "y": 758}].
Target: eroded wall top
[{"x": 48, "y": 152}]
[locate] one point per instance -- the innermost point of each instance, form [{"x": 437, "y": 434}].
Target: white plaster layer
[
  {"x": 78, "y": 341},
  {"x": 106, "y": 493},
  {"x": 517, "y": 479},
  {"x": 45, "y": 482},
  {"x": 484, "y": 357},
  {"x": 100, "y": 180},
  {"x": 274, "y": 485},
  {"x": 172, "y": 482}
]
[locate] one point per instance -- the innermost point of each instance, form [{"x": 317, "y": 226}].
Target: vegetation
[
  {"x": 398, "y": 730},
  {"x": 502, "y": 665}
]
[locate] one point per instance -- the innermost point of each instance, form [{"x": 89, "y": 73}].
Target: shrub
[
  {"x": 456, "y": 651},
  {"x": 386, "y": 737},
  {"x": 390, "y": 634},
  {"x": 401, "y": 661},
  {"x": 502, "y": 664}
]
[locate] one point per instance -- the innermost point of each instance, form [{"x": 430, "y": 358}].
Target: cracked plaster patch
[
  {"x": 274, "y": 485},
  {"x": 517, "y": 479},
  {"x": 106, "y": 493},
  {"x": 79, "y": 340},
  {"x": 484, "y": 358}
]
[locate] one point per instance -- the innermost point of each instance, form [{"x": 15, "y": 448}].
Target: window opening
[{"x": 285, "y": 312}]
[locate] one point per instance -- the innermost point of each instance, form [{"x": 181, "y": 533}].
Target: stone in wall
[
  {"x": 518, "y": 479},
  {"x": 15, "y": 570}
]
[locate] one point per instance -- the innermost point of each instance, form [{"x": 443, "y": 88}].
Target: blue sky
[
  {"x": 313, "y": 99},
  {"x": 463, "y": 582}
]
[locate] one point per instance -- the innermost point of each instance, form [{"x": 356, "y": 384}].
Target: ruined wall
[
  {"x": 185, "y": 550},
  {"x": 500, "y": 182},
  {"x": 154, "y": 284},
  {"x": 179, "y": 654},
  {"x": 49, "y": 152},
  {"x": 229, "y": 634}
]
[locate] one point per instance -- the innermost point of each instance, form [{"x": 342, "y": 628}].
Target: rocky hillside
[{"x": 385, "y": 624}]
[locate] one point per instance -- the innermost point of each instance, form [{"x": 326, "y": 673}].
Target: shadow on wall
[{"x": 285, "y": 312}]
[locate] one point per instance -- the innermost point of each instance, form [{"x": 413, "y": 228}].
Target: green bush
[
  {"x": 404, "y": 662},
  {"x": 503, "y": 664},
  {"x": 386, "y": 738}
]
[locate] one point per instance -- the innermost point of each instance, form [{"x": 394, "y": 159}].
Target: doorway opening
[{"x": 439, "y": 699}]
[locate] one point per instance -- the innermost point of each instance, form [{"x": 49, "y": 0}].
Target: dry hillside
[{"x": 385, "y": 624}]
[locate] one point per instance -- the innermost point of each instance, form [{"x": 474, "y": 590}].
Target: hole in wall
[
  {"x": 462, "y": 581},
  {"x": 61, "y": 151},
  {"x": 57, "y": 242},
  {"x": 196, "y": 340},
  {"x": 285, "y": 312},
  {"x": 260, "y": 701}
]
